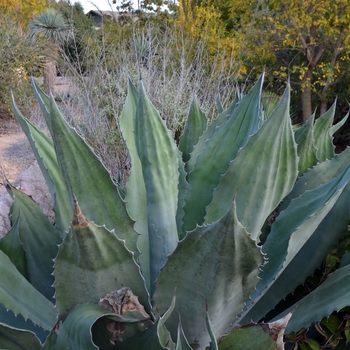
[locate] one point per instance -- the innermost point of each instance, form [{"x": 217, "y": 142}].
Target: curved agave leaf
[
  {"x": 213, "y": 344},
  {"x": 323, "y": 135},
  {"x": 155, "y": 337},
  {"x": 196, "y": 124},
  {"x": 135, "y": 197},
  {"x": 39, "y": 240},
  {"x": 222, "y": 264},
  {"x": 45, "y": 155},
  {"x": 76, "y": 332},
  {"x": 332, "y": 295},
  {"x": 92, "y": 262},
  {"x": 263, "y": 173},
  {"x": 182, "y": 342},
  {"x": 159, "y": 158},
  {"x": 12, "y": 247},
  {"x": 289, "y": 243},
  {"x": 18, "y": 295},
  {"x": 219, "y": 150},
  {"x": 337, "y": 126},
  {"x": 8, "y": 318},
  {"x": 86, "y": 177},
  {"x": 210, "y": 130},
  {"x": 247, "y": 338},
  {"x": 17, "y": 339},
  {"x": 263, "y": 336},
  {"x": 304, "y": 137}
]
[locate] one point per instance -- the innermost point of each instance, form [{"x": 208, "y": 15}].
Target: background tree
[
  {"x": 23, "y": 10},
  {"x": 50, "y": 26},
  {"x": 307, "y": 39}
]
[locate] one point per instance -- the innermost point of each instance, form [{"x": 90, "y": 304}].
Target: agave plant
[{"x": 177, "y": 259}]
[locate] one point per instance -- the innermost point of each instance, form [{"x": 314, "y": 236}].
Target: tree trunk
[
  {"x": 306, "y": 96},
  {"x": 50, "y": 70},
  {"x": 50, "y": 73}
]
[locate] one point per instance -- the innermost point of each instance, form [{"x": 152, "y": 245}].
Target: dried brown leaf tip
[
  {"x": 121, "y": 301},
  {"x": 78, "y": 218},
  {"x": 276, "y": 330}
]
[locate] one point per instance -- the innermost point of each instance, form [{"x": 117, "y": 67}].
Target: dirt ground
[{"x": 15, "y": 152}]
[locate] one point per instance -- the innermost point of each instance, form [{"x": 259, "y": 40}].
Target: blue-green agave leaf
[
  {"x": 44, "y": 103},
  {"x": 92, "y": 262},
  {"x": 18, "y": 295},
  {"x": 213, "y": 343},
  {"x": 304, "y": 137},
  {"x": 219, "y": 105},
  {"x": 159, "y": 158},
  {"x": 17, "y": 339},
  {"x": 182, "y": 342},
  {"x": 247, "y": 338},
  {"x": 45, "y": 155},
  {"x": 155, "y": 337},
  {"x": 264, "y": 336},
  {"x": 337, "y": 126},
  {"x": 332, "y": 295},
  {"x": 289, "y": 243},
  {"x": 323, "y": 135},
  {"x": 263, "y": 173},
  {"x": 209, "y": 132},
  {"x": 222, "y": 264},
  {"x": 39, "y": 240},
  {"x": 219, "y": 150},
  {"x": 12, "y": 247},
  {"x": 76, "y": 332},
  {"x": 135, "y": 197},
  {"x": 17, "y": 321},
  {"x": 89, "y": 180},
  {"x": 196, "y": 124}
]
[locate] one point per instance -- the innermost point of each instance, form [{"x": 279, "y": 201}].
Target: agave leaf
[
  {"x": 45, "y": 155},
  {"x": 247, "y": 338},
  {"x": 8, "y": 318},
  {"x": 209, "y": 132},
  {"x": 259, "y": 179},
  {"x": 196, "y": 124},
  {"x": 76, "y": 331},
  {"x": 219, "y": 105},
  {"x": 89, "y": 180},
  {"x": 182, "y": 342},
  {"x": 219, "y": 150},
  {"x": 39, "y": 240},
  {"x": 264, "y": 336},
  {"x": 44, "y": 103},
  {"x": 332, "y": 295},
  {"x": 93, "y": 253},
  {"x": 213, "y": 344},
  {"x": 304, "y": 137},
  {"x": 155, "y": 337},
  {"x": 12, "y": 247},
  {"x": 289, "y": 243},
  {"x": 222, "y": 264},
  {"x": 182, "y": 190},
  {"x": 323, "y": 135},
  {"x": 18, "y": 295},
  {"x": 159, "y": 158},
  {"x": 135, "y": 198},
  {"x": 337, "y": 126},
  {"x": 17, "y": 339}
]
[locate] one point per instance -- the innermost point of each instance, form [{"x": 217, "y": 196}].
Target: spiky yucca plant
[{"x": 179, "y": 262}]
